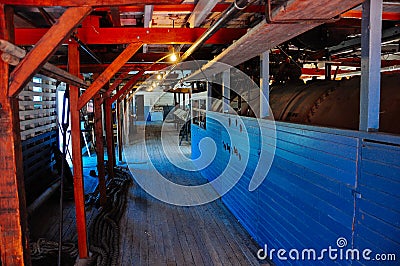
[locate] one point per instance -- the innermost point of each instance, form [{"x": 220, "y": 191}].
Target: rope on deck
[{"x": 104, "y": 232}]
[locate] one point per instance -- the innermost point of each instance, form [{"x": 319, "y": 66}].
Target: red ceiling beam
[
  {"x": 93, "y": 3},
  {"x": 45, "y": 47},
  {"x": 183, "y": 8},
  {"x": 357, "y": 14},
  {"x": 127, "y": 86},
  {"x": 116, "y": 83},
  {"x": 113, "y": 68},
  {"x": 126, "y": 35},
  {"x": 98, "y": 68}
]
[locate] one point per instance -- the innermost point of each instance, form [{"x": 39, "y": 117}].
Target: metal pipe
[
  {"x": 85, "y": 48},
  {"x": 229, "y": 13}
]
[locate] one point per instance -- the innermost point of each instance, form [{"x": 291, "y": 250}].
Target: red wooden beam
[
  {"x": 184, "y": 8},
  {"x": 45, "y": 47},
  {"x": 113, "y": 68},
  {"x": 109, "y": 137},
  {"x": 73, "y": 65},
  {"x": 94, "y": 3},
  {"x": 99, "y": 68},
  {"x": 358, "y": 13},
  {"x": 116, "y": 83},
  {"x": 127, "y": 86},
  {"x": 98, "y": 124},
  {"x": 92, "y": 35},
  {"x": 14, "y": 242}
]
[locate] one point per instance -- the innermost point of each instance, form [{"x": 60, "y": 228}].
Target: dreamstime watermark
[
  {"x": 236, "y": 136},
  {"x": 340, "y": 252}
]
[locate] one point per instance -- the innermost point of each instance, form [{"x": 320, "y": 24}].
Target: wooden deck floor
[{"x": 157, "y": 233}]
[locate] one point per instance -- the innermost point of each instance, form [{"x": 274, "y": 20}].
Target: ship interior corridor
[{"x": 157, "y": 233}]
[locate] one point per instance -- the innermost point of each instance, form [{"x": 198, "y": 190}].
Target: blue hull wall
[{"x": 323, "y": 184}]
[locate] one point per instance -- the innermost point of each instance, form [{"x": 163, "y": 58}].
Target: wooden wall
[{"x": 323, "y": 184}]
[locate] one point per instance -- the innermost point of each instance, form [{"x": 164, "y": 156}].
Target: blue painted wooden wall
[{"x": 323, "y": 184}]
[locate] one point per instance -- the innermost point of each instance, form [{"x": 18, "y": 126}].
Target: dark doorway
[{"x": 139, "y": 103}]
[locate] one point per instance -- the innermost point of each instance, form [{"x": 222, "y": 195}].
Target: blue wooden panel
[
  {"x": 378, "y": 208},
  {"x": 307, "y": 199}
]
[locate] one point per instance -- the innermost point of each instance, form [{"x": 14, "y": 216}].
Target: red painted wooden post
[
  {"x": 109, "y": 137},
  {"x": 73, "y": 64},
  {"x": 98, "y": 123},
  {"x": 119, "y": 130},
  {"x": 14, "y": 242}
]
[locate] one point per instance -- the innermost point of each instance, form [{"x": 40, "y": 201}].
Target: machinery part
[{"x": 334, "y": 103}]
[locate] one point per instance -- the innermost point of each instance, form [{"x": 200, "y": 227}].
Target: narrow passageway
[{"x": 158, "y": 233}]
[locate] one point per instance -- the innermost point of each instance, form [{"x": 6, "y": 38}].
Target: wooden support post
[
  {"x": 73, "y": 66},
  {"x": 109, "y": 137},
  {"x": 370, "y": 92},
  {"x": 14, "y": 242},
  {"x": 226, "y": 90},
  {"x": 100, "y": 148},
  {"x": 264, "y": 85},
  {"x": 46, "y": 46},
  {"x": 119, "y": 128}
]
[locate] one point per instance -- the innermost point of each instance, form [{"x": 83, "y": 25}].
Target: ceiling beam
[
  {"x": 116, "y": 83},
  {"x": 148, "y": 15},
  {"x": 265, "y": 36},
  {"x": 201, "y": 11},
  {"x": 107, "y": 74},
  {"x": 90, "y": 36},
  {"x": 358, "y": 13},
  {"x": 99, "y": 68},
  {"x": 61, "y": 75},
  {"x": 92, "y": 3},
  {"x": 45, "y": 47},
  {"x": 127, "y": 86},
  {"x": 115, "y": 16},
  {"x": 185, "y": 8}
]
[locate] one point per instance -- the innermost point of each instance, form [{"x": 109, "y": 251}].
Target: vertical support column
[
  {"x": 119, "y": 129},
  {"x": 371, "y": 32},
  {"x": 73, "y": 67},
  {"x": 226, "y": 90},
  {"x": 14, "y": 242},
  {"x": 109, "y": 137},
  {"x": 100, "y": 148},
  {"x": 264, "y": 85},
  {"x": 209, "y": 96}
]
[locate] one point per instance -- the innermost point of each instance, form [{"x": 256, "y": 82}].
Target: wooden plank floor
[{"x": 157, "y": 233}]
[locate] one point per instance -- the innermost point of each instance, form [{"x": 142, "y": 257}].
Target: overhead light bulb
[
  {"x": 173, "y": 57},
  {"x": 159, "y": 77}
]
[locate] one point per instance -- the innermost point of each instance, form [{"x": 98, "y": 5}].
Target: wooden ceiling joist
[
  {"x": 91, "y": 35},
  {"x": 92, "y": 3},
  {"x": 201, "y": 11},
  {"x": 45, "y": 47},
  {"x": 110, "y": 71},
  {"x": 116, "y": 82},
  {"x": 264, "y": 36},
  {"x": 127, "y": 86}
]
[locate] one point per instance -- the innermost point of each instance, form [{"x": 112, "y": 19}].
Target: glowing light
[{"x": 173, "y": 57}]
